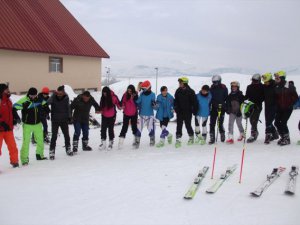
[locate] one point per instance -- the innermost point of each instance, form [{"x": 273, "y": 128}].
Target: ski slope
[{"x": 147, "y": 186}]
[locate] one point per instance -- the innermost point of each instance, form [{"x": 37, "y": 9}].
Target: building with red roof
[{"x": 42, "y": 44}]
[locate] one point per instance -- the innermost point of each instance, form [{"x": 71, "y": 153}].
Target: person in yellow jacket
[{"x": 31, "y": 107}]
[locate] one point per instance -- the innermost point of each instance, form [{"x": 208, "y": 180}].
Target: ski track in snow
[{"x": 147, "y": 186}]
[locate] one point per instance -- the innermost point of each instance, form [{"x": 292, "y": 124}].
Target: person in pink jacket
[
  {"x": 108, "y": 103},
  {"x": 130, "y": 113}
]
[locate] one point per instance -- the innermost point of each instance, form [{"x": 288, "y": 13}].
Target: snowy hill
[{"x": 147, "y": 186}]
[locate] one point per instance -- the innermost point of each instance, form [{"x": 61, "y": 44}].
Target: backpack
[{"x": 247, "y": 108}]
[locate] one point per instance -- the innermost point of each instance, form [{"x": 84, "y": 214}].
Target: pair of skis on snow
[
  {"x": 200, "y": 177},
  {"x": 290, "y": 187}
]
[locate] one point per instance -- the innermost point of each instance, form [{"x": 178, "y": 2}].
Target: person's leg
[
  {"x": 39, "y": 137},
  {"x": 111, "y": 125},
  {"x": 151, "y": 129},
  {"x": 179, "y": 125},
  {"x": 104, "y": 126},
  {"x": 204, "y": 127},
  {"x": 133, "y": 120},
  {"x": 77, "y": 131},
  {"x": 240, "y": 124},
  {"x": 1, "y": 141},
  {"x": 188, "y": 125},
  {"x": 85, "y": 136},
  {"x": 27, "y": 131},
  {"x": 54, "y": 130},
  {"x": 231, "y": 120},
  {"x": 12, "y": 147},
  {"x": 64, "y": 126},
  {"x": 124, "y": 126},
  {"x": 284, "y": 120},
  {"x": 197, "y": 125},
  {"x": 213, "y": 120}
]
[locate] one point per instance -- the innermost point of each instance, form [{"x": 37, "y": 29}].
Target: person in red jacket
[{"x": 8, "y": 117}]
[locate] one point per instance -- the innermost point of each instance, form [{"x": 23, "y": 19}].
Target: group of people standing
[{"x": 138, "y": 106}]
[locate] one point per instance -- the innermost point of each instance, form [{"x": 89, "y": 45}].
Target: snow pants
[
  {"x": 8, "y": 137},
  {"x": 254, "y": 118},
  {"x": 187, "y": 119},
  {"x": 281, "y": 120},
  {"x": 37, "y": 130},
  {"x": 232, "y": 119},
  {"x": 146, "y": 121},
  {"x": 163, "y": 125},
  {"x": 203, "y": 124},
  {"x": 270, "y": 113},
  {"x": 107, "y": 123},
  {"x": 78, "y": 127},
  {"x": 133, "y": 121},
  {"x": 214, "y": 121},
  {"x": 64, "y": 126}
]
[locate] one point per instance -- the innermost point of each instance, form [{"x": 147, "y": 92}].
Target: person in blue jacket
[
  {"x": 204, "y": 99},
  {"x": 164, "y": 106},
  {"x": 146, "y": 104}
]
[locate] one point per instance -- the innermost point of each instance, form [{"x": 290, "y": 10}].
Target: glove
[{"x": 5, "y": 126}]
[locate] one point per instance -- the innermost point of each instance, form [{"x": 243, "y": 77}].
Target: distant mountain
[{"x": 147, "y": 71}]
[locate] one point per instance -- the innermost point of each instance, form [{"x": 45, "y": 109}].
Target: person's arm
[
  {"x": 22, "y": 103},
  {"x": 95, "y": 105}
]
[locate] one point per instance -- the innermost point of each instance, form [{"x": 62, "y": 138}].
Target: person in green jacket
[{"x": 31, "y": 107}]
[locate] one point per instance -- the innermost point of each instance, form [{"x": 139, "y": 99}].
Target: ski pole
[
  {"x": 243, "y": 153},
  {"x": 216, "y": 142}
]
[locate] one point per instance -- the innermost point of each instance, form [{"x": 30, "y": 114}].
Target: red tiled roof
[{"x": 44, "y": 26}]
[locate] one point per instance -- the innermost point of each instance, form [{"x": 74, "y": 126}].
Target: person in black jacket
[
  {"x": 233, "y": 105},
  {"x": 286, "y": 96},
  {"x": 185, "y": 105},
  {"x": 60, "y": 117},
  {"x": 219, "y": 94},
  {"x": 270, "y": 107},
  {"x": 44, "y": 94},
  {"x": 255, "y": 94},
  {"x": 82, "y": 107}
]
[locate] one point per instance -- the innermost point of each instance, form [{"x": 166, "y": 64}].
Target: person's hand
[
  {"x": 98, "y": 112},
  {"x": 70, "y": 120},
  {"x": 16, "y": 121}
]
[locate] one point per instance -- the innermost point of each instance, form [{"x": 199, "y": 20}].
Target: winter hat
[
  {"x": 235, "y": 83},
  {"x": 146, "y": 85},
  {"x": 281, "y": 74},
  {"x": 32, "y": 91},
  {"x": 266, "y": 77},
  {"x": 216, "y": 78},
  {"x": 205, "y": 88},
  {"x": 45, "y": 90},
  {"x": 256, "y": 77},
  {"x": 61, "y": 88},
  {"x": 184, "y": 80},
  {"x": 3, "y": 87}
]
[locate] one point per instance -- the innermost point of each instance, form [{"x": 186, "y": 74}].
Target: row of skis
[{"x": 276, "y": 173}]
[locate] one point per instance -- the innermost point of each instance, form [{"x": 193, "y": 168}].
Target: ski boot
[
  {"x": 152, "y": 141},
  {"x": 275, "y": 136},
  {"x": 268, "y": 138},
  {"x": 14, "y": 165},
  {"x": 85, "y": 146},
  {"x": 52, "y": 154},
  {"x": 203, "y": 141},
  {"x": 285, "y": 140},
  {"x": 161, "y": 143},
  {"x": 191, "y": 140},
  {"x": 136, "y": 142},
  {"x": 69, "y": 151},
  {"x": 199, "y": 138},
  {"x": 241, "y": 137},
  {"x": 178, "y": 143},
  {"x": 170, "y": 138},
  {"x": 110, "y": 144},
  {"x": 75, "y": 147},
  {"x": 212, "y": 139},
  {"x": 102, "y": 146},
  {"x": 230, "y": 139},
  {"x": 222, "y": 136},
  {"x": 121, "y": 142},
  {"x": 39, "y": 157},
  {"x": 253, "y": 137}
]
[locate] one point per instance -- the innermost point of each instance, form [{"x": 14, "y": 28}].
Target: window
[{"x": 55, "y": 64}]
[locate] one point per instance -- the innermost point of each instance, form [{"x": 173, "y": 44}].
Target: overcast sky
[{"x": 193, "y": 34}]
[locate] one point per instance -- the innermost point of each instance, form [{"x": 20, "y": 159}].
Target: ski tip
[
  {"x": 254, "y": 195},
  {"x": 187, "y": 197},
  {"x": 289, "y": 193}
]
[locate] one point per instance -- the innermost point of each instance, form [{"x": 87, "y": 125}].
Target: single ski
[
  {"x": 291, "y": 186},
  {"x": 270, "y": 179},
  {"x": 193, "y": 189},
  {"x": 221, "y": 180}
]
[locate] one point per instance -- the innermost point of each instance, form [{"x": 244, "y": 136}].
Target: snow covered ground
[{"x": 147, "y": 186}]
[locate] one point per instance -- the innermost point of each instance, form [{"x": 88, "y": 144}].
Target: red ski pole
[
  {"x": 243, "y": 153},
  {"x": 216, "y": 142}
]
